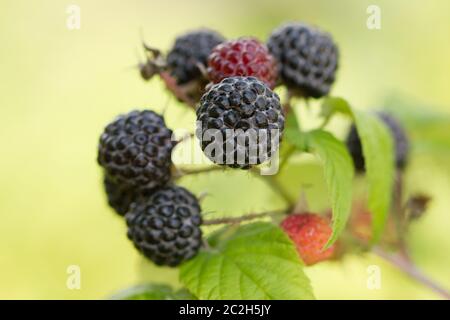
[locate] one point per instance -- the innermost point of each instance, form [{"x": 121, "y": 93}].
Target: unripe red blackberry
[
  {"x": 135, "y": 150},
  {"x": 401, "y": 143},
  {"x": 165, "y": 227},
  {"x": 190, "y": 50},
  {"x": 242, "y": 57},
  {"x": 307, "y": 58},
  {"x": 310, "y": 232},
  {"x": 239, "y": 122}
]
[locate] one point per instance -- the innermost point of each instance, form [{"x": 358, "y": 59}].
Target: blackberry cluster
[
  {"x": 135, "y": 150},
  {"x": 243, "y": 103},
  {"x": 401, "y": 143},
  {"x": 242, "y": 57},
  {"x": 307, "y": 57},
  {"x": 165, "y": 227},
  {"x": 189, "y": 50}
]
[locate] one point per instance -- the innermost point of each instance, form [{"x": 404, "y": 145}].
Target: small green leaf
[
  {"x": 255, "y": 261},
  {"x": 293, "y": 133},
  {"x": 153, "y": 292},
  {"x": 333, "y": 105},
  {"x": 378, "y": 151},
  {"x": 339, "y": 171}
]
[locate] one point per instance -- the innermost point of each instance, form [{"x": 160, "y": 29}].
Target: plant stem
[
  {"x": 246, "y": 217},
  {"x": 410, "y": 269},
  {"x": 187, "y": 172}
]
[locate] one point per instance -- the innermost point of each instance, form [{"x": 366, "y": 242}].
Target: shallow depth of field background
[{"x": 60, "y": 87}]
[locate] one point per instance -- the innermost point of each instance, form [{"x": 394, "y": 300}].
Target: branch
[
  {"x": 246, "y": 217},
  {"x": 187, "y": 172},
  {"x": 410, "y": 269}
]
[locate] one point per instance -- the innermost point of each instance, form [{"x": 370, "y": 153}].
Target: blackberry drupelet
[
  {"x": 135, "y": 150},
  {"x": 242, "y": 57},
  {"x": 165, "y": 227},
  {"x": 401, "y": 143},
  {"x": 307, "y": 58},
  {"x": 239, "y": 122},
  {"x": 189, "y": 50}
]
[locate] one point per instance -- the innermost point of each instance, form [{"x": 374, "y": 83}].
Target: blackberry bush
[{"x": 240, "y": 123}]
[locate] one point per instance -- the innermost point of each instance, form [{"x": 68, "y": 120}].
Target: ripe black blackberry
[
  {"x": 239, "y": 122},
  {"x": 135, "y": 150},
  {"x": 190, "y": 50},
  {"x": 307, "y": 57},
  {"x": 401, "y": 143},
  {"x": 165, "y": 227}
]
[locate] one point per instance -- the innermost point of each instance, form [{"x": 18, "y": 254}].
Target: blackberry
[
  {"x": 166, "y": 226},
  {"x": 242, "y": 57},
  {"x": 239, "y": 122},
  {"x": 307, "y": 57},
  {"x": 121, "y": 197},
  {"x": 135, "y": 150},
  {"x": 400, "y": 140},
  {"x": 189, "y": 50}
]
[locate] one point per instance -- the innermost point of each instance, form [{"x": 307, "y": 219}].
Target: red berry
[
  {"x": 242, "y": 57},
  {"x": 310, "y": 233}
]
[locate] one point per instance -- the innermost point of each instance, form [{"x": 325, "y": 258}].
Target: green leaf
[
  {"x": 153, "y": 292},
  {"x": 378, "y": 151},
  {"x": 338, "y": 166},
  {"x": 254, "y": 261},
  {"x": 292, "y": 132},
  {"x": 333, "y": 105},
  {"x": 338, "y": 171}
]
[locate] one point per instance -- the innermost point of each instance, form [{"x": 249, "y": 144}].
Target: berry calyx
[
  {"x": 307, "y": 58},
  {"x": 135, "y": 150},
  {"x": 239, "y": 122},
  {"x": 309, "y": 232},
  {"x": 242, "y": 57},
  {"x": 165, "y": 227}
]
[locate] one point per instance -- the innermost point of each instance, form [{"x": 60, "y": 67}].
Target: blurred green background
[{"x": 60, "y": 87}]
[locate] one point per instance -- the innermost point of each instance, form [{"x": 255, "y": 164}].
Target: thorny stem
[
  {"x": 246, "y": 217},
  {"x": 187, "y": 172},
  {"x": 410, "y": 269}
]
